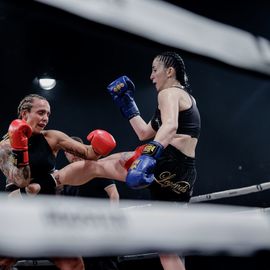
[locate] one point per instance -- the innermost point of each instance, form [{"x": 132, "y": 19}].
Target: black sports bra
[{"x": 189, "y": 121}]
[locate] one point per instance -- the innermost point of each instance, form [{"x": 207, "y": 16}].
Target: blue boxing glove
[
  {"x": 122, "y": 92},
  {"x": 141, "y": 172}
]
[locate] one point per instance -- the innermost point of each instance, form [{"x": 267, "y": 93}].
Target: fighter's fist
[
  {"x": 19, "y": 132},
  {"x": 102, "y": 141},
  {"x": 121, "y": 86},
  {"x": 141, "y": 171},
  {"x": 122, "y": 92}
]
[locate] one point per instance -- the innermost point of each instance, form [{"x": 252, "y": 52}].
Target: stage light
[{"x": 47, "y": 83}]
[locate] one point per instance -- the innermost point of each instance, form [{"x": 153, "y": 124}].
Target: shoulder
[
  {"x": 170, "y": 94},
  {"x": 172, "y": 91},
  {"x": 49, "y": 132},
  {"x": 55, "y": 138},
  {"x": 52, "y": 133}
]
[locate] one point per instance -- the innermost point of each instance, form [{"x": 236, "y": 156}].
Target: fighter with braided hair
[
  {"x": 28, "y": 156},
  {"x": 166, "y": 164}
]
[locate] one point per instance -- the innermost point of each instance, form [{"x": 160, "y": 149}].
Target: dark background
[{"x": 84, "y": 57}]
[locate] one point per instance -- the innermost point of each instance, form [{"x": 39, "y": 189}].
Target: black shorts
[
  {"x": 175, "y": 175},
  {"x": 46, "y": 182}
]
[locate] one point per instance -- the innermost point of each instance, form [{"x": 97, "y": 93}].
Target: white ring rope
[
  {"x": 46, "y": 226},
  {"x": 97, "y": 227},
  {"x": 231, "y": 193},
  {"x": 181, "y": 29},
  {"x": 202, "y": 198}
]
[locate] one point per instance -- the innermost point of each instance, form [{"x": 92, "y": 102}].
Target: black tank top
[
  {"x": 189, "y": 121},
  {"x": 41, "y": 157}
]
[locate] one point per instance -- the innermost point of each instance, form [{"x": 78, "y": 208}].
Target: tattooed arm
[
  {"x": 19, "y": 176},
  {"x": 59, "y": 140}
]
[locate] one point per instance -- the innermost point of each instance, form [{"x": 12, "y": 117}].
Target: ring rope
[
  {"x": 203, "y": 198},
  {"x": 231, "y": 193},
  {"x": 92, "y": 227},
  {"x": 42, "y": 216}
]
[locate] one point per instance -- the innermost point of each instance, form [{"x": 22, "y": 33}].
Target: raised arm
[{"x": 122, "y": 92}]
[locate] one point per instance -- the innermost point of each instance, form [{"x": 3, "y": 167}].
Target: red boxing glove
[
  {"x": 102, "y": 141},
  {"x": 19, "y": 132}
]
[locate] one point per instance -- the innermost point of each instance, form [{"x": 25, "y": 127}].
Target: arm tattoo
[
  {"x": 19, "y": 176},
  {"x": 76, "y": 153}
]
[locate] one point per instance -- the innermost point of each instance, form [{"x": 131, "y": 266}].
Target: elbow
[
  {"x": 143, "y": 135},
  {"x": 141, "y": 138},
  {"x": 172, "y": 129}
]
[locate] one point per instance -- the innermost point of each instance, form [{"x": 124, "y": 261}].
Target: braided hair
[
  {"x": 26, "y": 103},
  {"x": 172, "y": 59}
]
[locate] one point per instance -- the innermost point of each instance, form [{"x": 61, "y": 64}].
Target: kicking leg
[{"x": 80, "y": 172}]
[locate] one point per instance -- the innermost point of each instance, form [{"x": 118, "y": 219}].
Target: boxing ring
[
  {"x": 145, "y": 229},
  {"x": 104, "y": 228},
  {"x": 93, "y": 227}
]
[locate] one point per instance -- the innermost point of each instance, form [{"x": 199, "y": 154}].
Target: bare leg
[
  {"x": 69, "y": 263},
  {"x": 171, "y": 262},
  {"x": 7, "y": 263},
  {"x": 31, "y": 190},
  {"x": 80, "y": 172}
]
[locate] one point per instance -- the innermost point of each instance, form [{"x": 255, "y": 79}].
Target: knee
[{"x": 69, "y": 263}]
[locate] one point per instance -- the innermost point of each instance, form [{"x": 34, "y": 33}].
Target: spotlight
[{"x": 47, "y": 83}]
